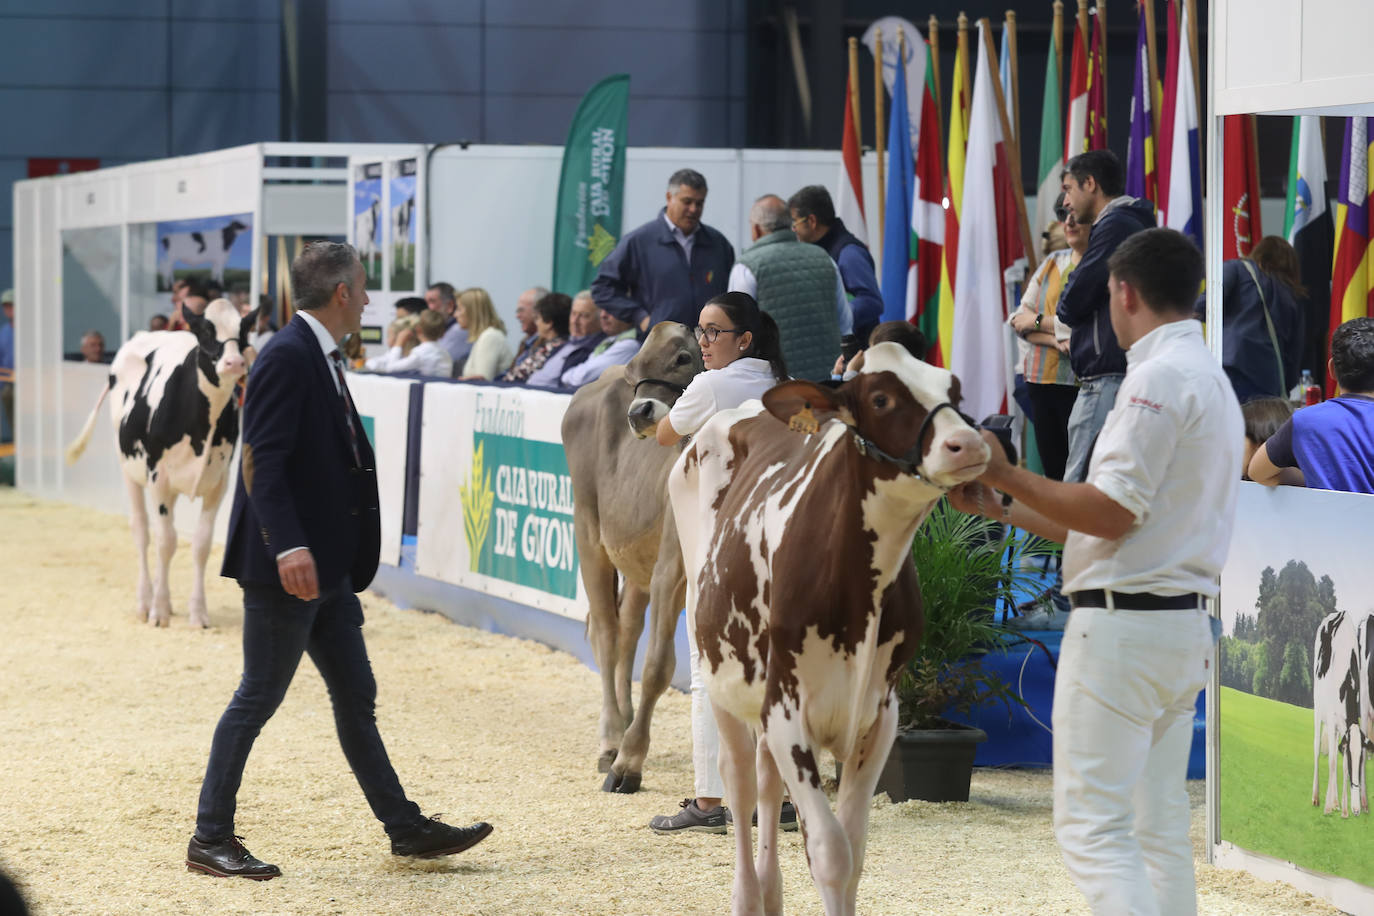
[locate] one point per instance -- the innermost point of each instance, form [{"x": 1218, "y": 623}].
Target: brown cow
[
  {"x": 804, "y": 597},
  {"x": 621, "y": 521}
]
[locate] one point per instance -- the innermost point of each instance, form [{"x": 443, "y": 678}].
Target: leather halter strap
[{"x": 911, "y": 462}]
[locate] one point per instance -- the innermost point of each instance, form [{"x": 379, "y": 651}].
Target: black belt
[{"x": 1138, "y": 601}]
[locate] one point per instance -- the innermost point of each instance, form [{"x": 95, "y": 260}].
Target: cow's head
[
  {"x": 659, "y": 372},
  {"x": 902, "y": 410},
  {"x": 221, "y": 335}
]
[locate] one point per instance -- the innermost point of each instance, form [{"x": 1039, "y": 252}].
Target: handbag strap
[{"x": 1269, "y": 323}]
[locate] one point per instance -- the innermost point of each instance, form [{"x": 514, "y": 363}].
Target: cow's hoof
[
  {"x": 603, "y": 763},
  {"x": 626, "y": 784}
]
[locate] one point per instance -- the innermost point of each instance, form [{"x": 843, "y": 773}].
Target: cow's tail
[{"x": 79, "y": 443}]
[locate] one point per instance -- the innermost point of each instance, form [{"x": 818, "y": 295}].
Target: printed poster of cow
[
  {"x": 216, "y": 249},
  {"x": 367, "y": 220},
  {"x": 402, "y": 223},
  {"x": 1295, "y": 700}
]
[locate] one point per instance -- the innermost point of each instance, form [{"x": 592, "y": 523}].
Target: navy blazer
[{"x": 298, "y": 485}]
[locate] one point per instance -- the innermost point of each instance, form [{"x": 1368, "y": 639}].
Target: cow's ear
[{"x": 805, "y": 406}]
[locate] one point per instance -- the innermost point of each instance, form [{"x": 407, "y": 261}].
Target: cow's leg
[
  {"x": 164, "y": 499},
  {"x": 1332, "y": 761},
  {"x": 200, "y": 552},
  {"x": 598, "y": 576},
  {"x": 667, "y": 593},
  {"x": 770, "y": 807},
  {"x": 827, "y": 844},
  {"x": 861, "y": 772},
  {"x": 138, "y": 523},
  {"x": 1316, "y": 754},
  {"x": 741, "y": 792}
]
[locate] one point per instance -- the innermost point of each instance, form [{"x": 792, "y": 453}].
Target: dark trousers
[
  {"x": 277, "y": 629},
  {"x": 1050, "y": 409}
]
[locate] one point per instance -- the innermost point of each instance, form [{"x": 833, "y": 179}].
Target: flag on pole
[
  {"x": 1140, "y": 152},
  {"x": 1240, "y": 191},
  {"x": 989, "y": 244},
  {"x": 1051, "y": 146},
  {"x": 901, "y": 189},
  {"x": 954, "y": 196},
  {"x": 1097, "y": 85},
  {"x": 1004, "y": 72},
  {"x": 849, "y": 199},
  {"x": 1180, "y": 176},
  {"x": 591, "y": 185},
  {"x": 1307, "y": 226},
  {"x": 1352, "y": 274},
  {"x": 1076, "y": 130},
  {"x": 927, "y": 225}
]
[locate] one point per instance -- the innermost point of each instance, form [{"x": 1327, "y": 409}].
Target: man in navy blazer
[{"x": 304, "y": 536}]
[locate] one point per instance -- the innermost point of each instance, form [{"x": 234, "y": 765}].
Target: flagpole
[
  {"x": 1013, "y": 153},
  {"x": 879, "y": 131},
  {"x": 1101, "y": 7},
  {"x": 1147, "y": 8},
  {"x": 1083, "y": 26},
  {"x": 1057, "y": 45},
  {"x": 1009, "y": 26},
  {"x": 933, "y": 31},
  {"x": 963, "y": 50},
  {"x": 854, "y": 93},
  {"x": 1203, "y": 114}
]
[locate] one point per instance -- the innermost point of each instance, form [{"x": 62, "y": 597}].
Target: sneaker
[
  {"x": 787, "y": 819},
  {"x": 690, "y": 818}
]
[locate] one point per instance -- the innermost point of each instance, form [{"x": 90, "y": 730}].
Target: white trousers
[
  {"x": 1124, "y": 699},
  {"x": 705, "y": 738}
]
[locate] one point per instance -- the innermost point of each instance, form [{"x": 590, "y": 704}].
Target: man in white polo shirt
[{"x": 1145, "y": 538}]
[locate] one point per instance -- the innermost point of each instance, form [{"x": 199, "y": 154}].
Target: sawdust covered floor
[{"x": 105, "y": 724}]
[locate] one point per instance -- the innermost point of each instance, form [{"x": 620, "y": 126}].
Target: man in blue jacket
[
  {"x": 668, "y": 268},
  {"x": 1093, "y": 184},
  {"x": 304, "y": 536}
]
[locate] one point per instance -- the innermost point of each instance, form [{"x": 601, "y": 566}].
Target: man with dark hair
[
  {"x": 667, "y": 268},
  {"x": 1331, "y": 443},
  {"x": 303, "y": 537},
  {"x": 814, "y": 220},
  {"x": 1145, "y": 538},
  {"x": 1093, "y": 183},
  {"x": 798, "y": 285},
  {"x": 442, "y": 298}
]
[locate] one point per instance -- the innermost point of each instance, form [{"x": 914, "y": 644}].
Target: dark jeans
[
  {"x": 1050, "y": 409},
  {"x": 277, "y": 629}
]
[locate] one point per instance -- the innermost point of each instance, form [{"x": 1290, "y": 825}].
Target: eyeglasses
[{"x": 709, "y": 335}]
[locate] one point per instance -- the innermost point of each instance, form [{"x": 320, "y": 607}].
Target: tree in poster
[{"x": 1270, "y": 654}]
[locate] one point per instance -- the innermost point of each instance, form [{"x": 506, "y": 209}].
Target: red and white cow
[
  {"x": 805, "y": 600},
  {"x": 1341, "y": 705},
  {"x": 176, "y": 421}
]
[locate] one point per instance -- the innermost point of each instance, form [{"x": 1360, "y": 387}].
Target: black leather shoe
[
  {"x": 432, "y": 838},
  {"x": 228, "y": 858}
]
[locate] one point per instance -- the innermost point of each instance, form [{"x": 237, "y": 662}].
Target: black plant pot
[{"x": 932, "y": 764}]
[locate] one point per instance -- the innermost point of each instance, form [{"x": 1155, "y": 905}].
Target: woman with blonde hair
[{"x": 491, "y": 353}]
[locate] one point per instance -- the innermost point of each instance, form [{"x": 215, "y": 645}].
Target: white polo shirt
[
  {"x": 720, "y": 389},
  {"x": 1168, "y": 453}
]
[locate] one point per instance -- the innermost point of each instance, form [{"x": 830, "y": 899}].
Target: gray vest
[{"x": 796, "y": 285}]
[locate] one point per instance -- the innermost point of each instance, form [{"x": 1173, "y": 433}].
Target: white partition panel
[{"x": 384, "y": 405}]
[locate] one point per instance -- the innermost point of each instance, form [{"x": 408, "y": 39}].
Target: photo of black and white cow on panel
[
  {"x": 1296, "y": 705},
  {"x": 216, "y": 249},
  {"x": 174, "y": 406},
  {"x": 403, "y": 223}
]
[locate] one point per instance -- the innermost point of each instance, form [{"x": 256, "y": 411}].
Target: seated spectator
[
  {"x": 619, "y": 345},
  {"x": 1263, "y": 417},
  {"x": 524, "y": 316},
  {"x": 1331, "y": 443},
  {"x": 490, "y": 354},
  {"x": 408, "y": 311},
  {"x": 265, "y": 327},
  {"x": 427, "y": 358},
  {"x": 902, "y": 332},
  {"x": 93, "y": 347},
  {"x": 551, "y": 324},
  {"x": 441, "y": 298},
  {"x": 584, "y": 333},
  {"x": 157, "y": 323}
]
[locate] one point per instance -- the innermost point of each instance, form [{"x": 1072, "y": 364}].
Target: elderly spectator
[
  {"x": 551, "y": 324},
  {"x": 618, "y": 347},
  {"x": 524, "y": 316},
  {"x": 584, "y": 333},
  {"x": 798, "y": 285},
  {"x": 7, "y": 359},
  {"x": 428, "y": 358},
  {"x": 490, "y": 347},
  {"x": 666, "y": 268},
  {"x": 441, "y": 298},
  {"x": 814, "y": 221},
  {"x": 93, "y": 347},
  {"x": 157, "y": 323}
]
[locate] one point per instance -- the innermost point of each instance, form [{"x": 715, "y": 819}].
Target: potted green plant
[{"x": 965, "y": 568}]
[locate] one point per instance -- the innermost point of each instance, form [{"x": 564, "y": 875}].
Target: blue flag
[{"x": 901, "y": 185}]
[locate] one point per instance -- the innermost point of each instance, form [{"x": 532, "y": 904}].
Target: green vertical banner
[{"x": 591, "y": 185}]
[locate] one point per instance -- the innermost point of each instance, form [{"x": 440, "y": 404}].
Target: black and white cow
[
  {"x": 401, "y": 215},
  {"x": 1341, "y": 705},
  {"x": 176, "y": 421},
  {"x": 197, "y": 249},
  {"x": 365, "y": 225}
]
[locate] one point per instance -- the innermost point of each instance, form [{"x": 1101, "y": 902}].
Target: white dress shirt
[
  {"x": 742, "y": 280},
  {"x": 428, "y": 358},
  {"x": 1168, "y": 453},
  {"x": 684, "y": 241}
]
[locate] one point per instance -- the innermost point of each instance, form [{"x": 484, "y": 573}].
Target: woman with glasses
[{"x": 743, "y": 356}]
